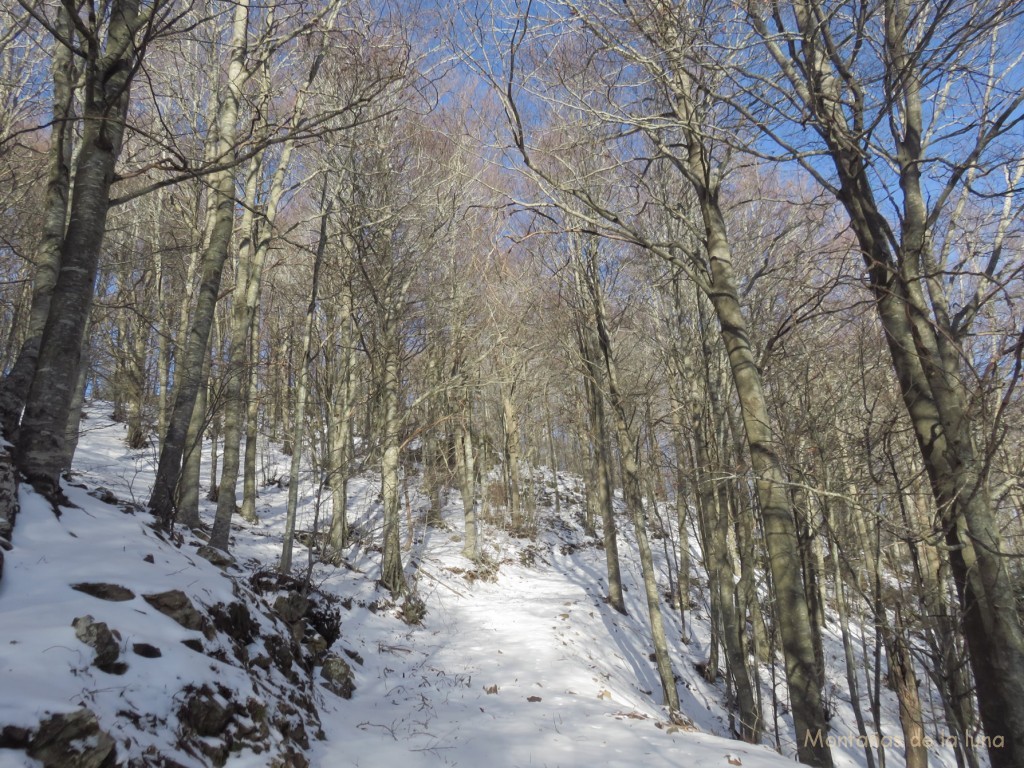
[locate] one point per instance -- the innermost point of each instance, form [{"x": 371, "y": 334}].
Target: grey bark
[
  {"x": 41, "y": 443},
  {"x": 301, "y": 386},
  {"x": 188, "y": 489},
  {"x": 339, "y": 435},
  {"x": 392, "y": 576},
  {"x": 190, "y": 365},
  {"x": 601, "y": 456},
  {"x": 632, "y": 488},
  {"x": 15, "y": 387},
  {"x": 924, "y": 341}
]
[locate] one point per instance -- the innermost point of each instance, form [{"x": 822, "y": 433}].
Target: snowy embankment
[{"x": 515, "y": 664}]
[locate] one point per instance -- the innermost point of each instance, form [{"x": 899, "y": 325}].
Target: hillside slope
[{"x": 515, "y": 663}]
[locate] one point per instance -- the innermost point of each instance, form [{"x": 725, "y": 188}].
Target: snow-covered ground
[{"x": 521, "y": 664}]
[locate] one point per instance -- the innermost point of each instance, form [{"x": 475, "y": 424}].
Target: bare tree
[{"x": 887, "y": 90}]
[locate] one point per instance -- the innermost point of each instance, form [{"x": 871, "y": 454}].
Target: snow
[{"x": 529, "y": 667}]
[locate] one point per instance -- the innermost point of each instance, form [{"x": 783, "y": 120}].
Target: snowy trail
[
  {"x": 522, "y": 672},
  {"x": 532, "y": 668}
]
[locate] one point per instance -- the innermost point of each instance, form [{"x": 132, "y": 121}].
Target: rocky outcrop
[
  {"x": 338, "y": 676},
  {"x": 104, "y": 591},
  {"x": 175, "y": 604},
  {"x": 98, "y": 636},
  {"x": 65, "y": 740},
  {"x": 9, "y": 505}
]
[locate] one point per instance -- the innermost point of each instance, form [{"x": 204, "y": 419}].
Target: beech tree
[
  {"x": 637, "y": 54},
  {"x": 915, "y": 106},
  {"x": 111, "y": 50}
]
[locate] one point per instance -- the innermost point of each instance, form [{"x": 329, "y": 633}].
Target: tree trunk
[
  {"x": 392, "y": 576},
  {"x": 339, "y": 435},
  {"x": 15, "y": 387},
  {"x": 299, "y": 421},
  {"x": 632, "y": 488},
  {"x": 601, "y": 451},
  {"x": 510, "y": 428},
  {"x": 41, "y": 441},
  {"x": 73, "y": 428},
  {"x": 252, "y": 413},
  {"x": 187, "y": 503},
  {"x": 465, "y": 466},
  {"x": 904, "y": 682},
  {"x": 803, "y": 674},
  {"x": 190, "y": 366},
  {"x": 237, "y": 372}
]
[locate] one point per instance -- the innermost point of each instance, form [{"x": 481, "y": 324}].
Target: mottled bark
[
  {"x": 632, "y": 488},
  {"x": 601, "y": 454},
  {"x": 223, "y": 521},
  {"x": 190, "y": 365},
  {"x": 41, "y": 442},
  {"x": 392, "y": 576},
  {"x": 15, "y": 387}
]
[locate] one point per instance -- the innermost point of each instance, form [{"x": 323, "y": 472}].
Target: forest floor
[{"x": 517, "y": 661}]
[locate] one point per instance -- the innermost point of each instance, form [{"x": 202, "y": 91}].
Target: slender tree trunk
[
  {"x": 15, "y": 387},
  {"x": 466, "y": 467},
  {"x": 601, "y": 450},
  {"x": 904, "y": 682},
  {"x": 340, "y": 422},
  {"x": 803, "y": 674},
  {"x": 299, "y": 421},
  {"x": 842, "y": 606},
  {"x": 721, "y": 575},
  {"x": 252, "y": 413},
  {"x": 190, "y": 365},
  {"x": 510, "y": 427},
  {"x": 237, "y": 370},
  {"x": 188, "y": 489},
  {"x": 553, "y": 461},
  {"x": 682, "y": 514},
  {"x": 392, "y": 576},
  {"x": 632, "y": 489}
]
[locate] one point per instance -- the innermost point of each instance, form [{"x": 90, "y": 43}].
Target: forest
[{"x": 751, "y": 271}]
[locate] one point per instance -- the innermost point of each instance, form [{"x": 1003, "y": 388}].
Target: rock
[
  {"x": 97, "y": 635},
  {"x": 236, "y": 621},
  {"x": 280, "y": 652},
  {"x": 339, "y": 677},
  {"x": 291, "y": 607},
  {"x": 195, "y": 644},
  {"x": 103, "y": 494},
  {"x": 316, "y": 644},
  {"x": 9, "y": 505},
  {"x": 176, "y": 605},
  {"x": 291, "y": 759},
  {"x": 113, "y": 592},
  {"x": 73, "y": 740},
  {"x": 146, "y": 650},
  {"x": 218, "y": 557},
  {"x": 14, "y": 737},
  {"x": 204, "y": 714}
]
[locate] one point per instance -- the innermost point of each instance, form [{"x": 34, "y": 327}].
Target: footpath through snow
[{"x": 517, "y": 662}]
